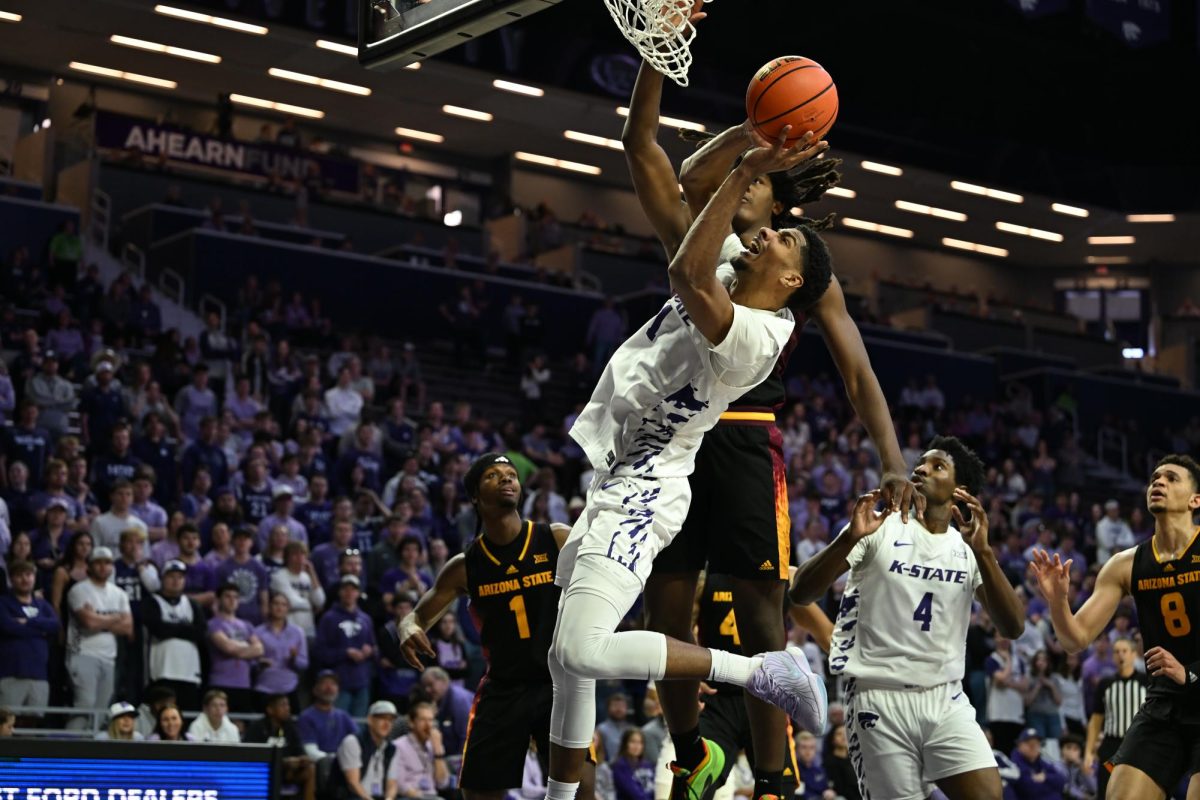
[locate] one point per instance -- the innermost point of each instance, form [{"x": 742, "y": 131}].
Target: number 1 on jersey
[
  {"x": 517, "y": 606},
  {"x": 924, "y": 612}
]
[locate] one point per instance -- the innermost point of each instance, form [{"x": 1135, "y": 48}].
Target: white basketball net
[{"x": 660, "y": 31}]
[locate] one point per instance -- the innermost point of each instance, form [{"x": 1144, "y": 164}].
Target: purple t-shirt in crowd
[
  {"x": 200, "y": 578},
  {"x": 338, "y": 631},
  {"x": 283, "y": 674},
  {"x": 226, "y": 671},
  {"x": 325, "y": 729},
  {"x": 250, "y": 578}
]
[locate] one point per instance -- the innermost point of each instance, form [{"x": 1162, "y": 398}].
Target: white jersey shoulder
[
  {"x": 907, "y": 602},
  {"x": 667, "y": 385}
]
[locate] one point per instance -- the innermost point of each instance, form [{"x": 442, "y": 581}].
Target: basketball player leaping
[
  {"x": 508, "y": 572},
  {"x": 1163, "y": 577},
  {"x": 900, "y": 635},
  {"x": 739, "y": 522},
  {"x": 663, "y": 389}
]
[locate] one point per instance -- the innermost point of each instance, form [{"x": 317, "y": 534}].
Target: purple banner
[
  {"x": 1040, "y": 8},
  {"x": 287, "y": 164},
  {"x": 1137, "y": 23}
]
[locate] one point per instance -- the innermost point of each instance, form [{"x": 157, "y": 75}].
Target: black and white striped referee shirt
[{"x": 1118, "y": 699}]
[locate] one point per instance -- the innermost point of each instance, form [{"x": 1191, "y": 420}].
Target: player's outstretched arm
[
  {"x": 845, "y": 344},
  {"x": 692, "y": 276},
  {"x": 654, "y": 179},
  {"x": 815, "y": 576},
  {"x": 448, "y": 586},
  {"x": 1053, "y": 577},
  {"x": 812, "y": 619},
  {"x": 995, "y": 592},
  {"x": 704, "y": 170}
]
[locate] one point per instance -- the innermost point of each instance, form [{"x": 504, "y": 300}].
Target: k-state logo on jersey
[{"x": 867, "y": 720}]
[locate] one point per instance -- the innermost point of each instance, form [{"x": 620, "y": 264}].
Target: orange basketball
[{"x": 792, "y": 90}]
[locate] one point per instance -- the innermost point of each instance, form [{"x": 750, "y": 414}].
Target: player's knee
[{"x": 578, "y": 653}]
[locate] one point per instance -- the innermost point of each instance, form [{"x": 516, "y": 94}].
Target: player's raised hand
[
  {"x": 684, "y": 11},
  {"x": 974, "y": 530},
  {"x": 1161, "y": 662},
  {"x": 1052, "y": 576},
  {"x": 866, "y": 520},
  {"x": 777, "y": 156},
  {"x": 900, "y": 494},
  {"x": 415, "y": 645}
]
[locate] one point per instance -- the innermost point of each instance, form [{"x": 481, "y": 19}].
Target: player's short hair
[
  {"x": 817, "y": 270},
  {"x": 214, "y": 694},
  {"x": 968, "y": 466},
  {"x": 419, "y": 706},
  {"x": 1185, "y": 461}
]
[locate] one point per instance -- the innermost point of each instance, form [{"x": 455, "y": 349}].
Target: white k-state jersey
[
  {"x": 666, "y": 386},
  {"x": 907, "y": 605}
]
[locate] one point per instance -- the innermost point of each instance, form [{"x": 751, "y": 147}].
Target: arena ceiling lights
[
  {"x": 1109, "y": 259},
  {"x": 1149, "y": 217},
  {"x": 8, "y": 16},
  {"x": 839, "y": 191},
  {"x": 424, "y": 136},
  {"x": 598, "y": 141},
  {"x": 283, "y": 108},
  {"x": 559, "y": 163},
  {"x": 118, "y": 74},
  {"x": 1070, "y": 211},
  {"x": 875, "y": 227},
  {"x": 467, "y": 113},
  {"x": 673, "y": 122},
  {"x": 1103, "y": 240},
  {"x": 940, "y": 213},
  {"x": 1034, "y": 233},
  {"x": 165, "y": 49},
  {"x": 987, "y": 250},
  {"x": 209, "y": 19},
  {"x": 983, "y": 191},
  {"x": 518, "y": 88},
  {"x": 882, "y": 169},
  {"x": 313, "y": 80},
  {"x": 338, "y": 47}
]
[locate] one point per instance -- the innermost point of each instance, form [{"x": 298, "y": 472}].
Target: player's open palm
[
  {"x": 1052, "y": 576},
  {"x": 866, "y": 519},
  {"x": 416, "y": 645},
  {"x": 777, "y": 156},
  {"x": 974, "y": 529}
]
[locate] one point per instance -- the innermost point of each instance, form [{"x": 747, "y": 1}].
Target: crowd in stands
[{"x": 235, "y": 524}]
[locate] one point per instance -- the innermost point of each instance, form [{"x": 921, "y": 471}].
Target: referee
[{"x": 1118, "y": 698}]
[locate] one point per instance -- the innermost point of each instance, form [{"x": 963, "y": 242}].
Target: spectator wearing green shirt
[{"x": 66, "y": 251}]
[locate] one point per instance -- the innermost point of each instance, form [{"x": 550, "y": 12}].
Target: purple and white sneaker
[{"x": 784, "y": 679}]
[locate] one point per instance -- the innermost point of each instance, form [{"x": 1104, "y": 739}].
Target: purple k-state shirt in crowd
[
  {"x": 338, "y": 631},
  {"x": 283, "y": 673}
]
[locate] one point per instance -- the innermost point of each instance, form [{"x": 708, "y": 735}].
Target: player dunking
[
  {"x": 1163, "y": 577},
  {"x": 900, "y": 635},
  {"x": 663, "y": 389},
  {"x": 738, "y": 522},
  {"x": 508, "y": 572}
]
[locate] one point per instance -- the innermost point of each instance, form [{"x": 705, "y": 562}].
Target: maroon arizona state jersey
[
  {"x": 1167, "y": 594},
  {"x": 514, "y": 602}
]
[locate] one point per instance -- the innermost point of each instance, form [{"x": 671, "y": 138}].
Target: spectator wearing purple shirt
[
  {"x": 316, "y": 515},
  {"x": 196, "y": 503},
  {"x": 1096, "y": 667},
  {"x": 323, "y": 725},
  {"x": 232, "y": 648},
  {"x": 222, "y": 545},
  {"x": 282, "y": 499},
  {"x": 248, "y": 575},
  {"x": 201, "y": 578},
  {"x": 206, "y": 452},
  {"x": 195, "y": 403},
  {"x": 243, "y": 406},
  {"x": 361, "y": 453},
  {"x": 285, "y": 652},
  {"x": 27, "y": 625},
  {"x": 346, "y": 643},
  {"x": 144, "y": 507},
  {"x": 325, "y": 557}
]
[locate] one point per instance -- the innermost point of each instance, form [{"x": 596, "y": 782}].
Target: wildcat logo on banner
[
  {"x": 1040, "y": 8},
  {"x": 1137, "y": 23},
  {"x": 122, "y": 133}
]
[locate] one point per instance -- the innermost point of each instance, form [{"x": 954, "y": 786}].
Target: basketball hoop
[{"x": 660, "y": 30}]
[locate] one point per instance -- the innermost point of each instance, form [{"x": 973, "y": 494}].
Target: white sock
[
  {"x": 557, "y": 790},
  {"x": 732, "y": 668}
]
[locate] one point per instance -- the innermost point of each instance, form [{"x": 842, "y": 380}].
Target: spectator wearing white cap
[
  {"x": 283, "y": 502},
  {"x": 99, "y": 613},
  {"x": 364, "y": 758},
  {"x": 176, "y": 630},
  {"x": 419, "y": 766},
  {"x": 122, "y": 724},
  {"x": 1113, "y": 534}
]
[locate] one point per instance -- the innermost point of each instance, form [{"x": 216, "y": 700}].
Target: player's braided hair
[
  {"x": 968, "y": 466},
  {"x": 803, "y": 184}
]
